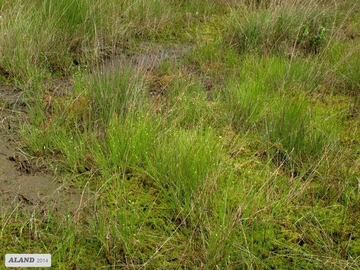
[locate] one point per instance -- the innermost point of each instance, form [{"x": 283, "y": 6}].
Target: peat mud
[
  {"x": 148, "y": 56},
  {"x": 25, "y": 183}
]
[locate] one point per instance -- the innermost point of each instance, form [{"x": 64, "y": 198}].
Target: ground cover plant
[{"x": 188, "y": 134}]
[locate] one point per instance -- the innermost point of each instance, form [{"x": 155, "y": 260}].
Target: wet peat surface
[{"x": 25, "y": 183}]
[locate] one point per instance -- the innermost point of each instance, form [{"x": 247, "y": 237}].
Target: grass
[
  {"x": 240, "y": 154},
  {"x": 290, "y": 28}
]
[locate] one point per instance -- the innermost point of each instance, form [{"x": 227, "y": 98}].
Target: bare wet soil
[{"x": 24, "y": 180}]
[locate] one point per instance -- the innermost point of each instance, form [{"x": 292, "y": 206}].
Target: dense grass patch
[{"x": 288, "y": 28}]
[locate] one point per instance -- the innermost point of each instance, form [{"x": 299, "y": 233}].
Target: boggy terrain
[
  {"x": 27, "y": 181},
  {"x": 181, "y": 134}
]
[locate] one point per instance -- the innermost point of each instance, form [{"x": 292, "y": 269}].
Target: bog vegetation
[{"x": 237, "y": 147}]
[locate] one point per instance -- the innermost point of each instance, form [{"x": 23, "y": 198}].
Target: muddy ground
[{"x": 25, "y": 182}]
